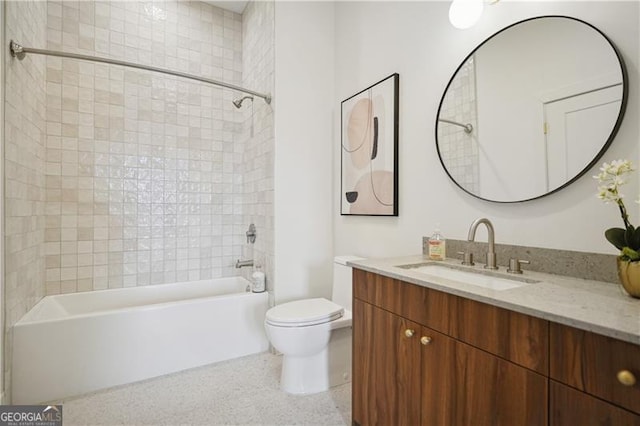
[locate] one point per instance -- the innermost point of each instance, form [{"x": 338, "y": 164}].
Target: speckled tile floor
[{"x": 242, "y": 391}]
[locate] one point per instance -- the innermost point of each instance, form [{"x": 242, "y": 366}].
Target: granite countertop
[{"x": 595, "y": 306}]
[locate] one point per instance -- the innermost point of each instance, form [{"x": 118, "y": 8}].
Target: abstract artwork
[{"x": 369, "y": 140}]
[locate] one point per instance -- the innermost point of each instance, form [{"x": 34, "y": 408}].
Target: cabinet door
[
  {"x": 386, "y": 368},
  {"x": 591, "y": 363},
  {"x": 462, "y": 385},
  {"x": 570, "y": 407}
]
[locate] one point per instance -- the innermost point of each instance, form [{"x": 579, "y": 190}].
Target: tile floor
[{"x": 242, "y": 391}]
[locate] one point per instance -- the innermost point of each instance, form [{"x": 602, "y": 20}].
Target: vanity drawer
[
  {"x": 427, "y": 307},
  {"x": 519, "y": 338},
  {"x": 593, "y": 363}
]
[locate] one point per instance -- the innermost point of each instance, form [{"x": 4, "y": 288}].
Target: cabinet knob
[
  {"x": 425, "y": 340},
  {"x": 626, "y": 377},
  {"x": 409, "y": 332}
]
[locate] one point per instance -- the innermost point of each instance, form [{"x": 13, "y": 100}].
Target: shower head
[{"x": 238, "y": 102}]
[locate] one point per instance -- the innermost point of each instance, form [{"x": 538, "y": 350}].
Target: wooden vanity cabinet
[
  {"x": 412, "y": 371},
  {"x": 424, "y": 357}
]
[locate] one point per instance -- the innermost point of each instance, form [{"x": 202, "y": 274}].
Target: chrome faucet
[{"x": 491, "y": 253}]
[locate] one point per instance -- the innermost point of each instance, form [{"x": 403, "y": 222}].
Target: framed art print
[{"x": 369, "y": 154}]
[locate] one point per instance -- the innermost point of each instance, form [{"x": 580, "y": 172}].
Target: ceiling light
[{"x": 465, "y": 13}]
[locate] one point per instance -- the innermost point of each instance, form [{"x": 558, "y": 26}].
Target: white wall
[
  {"x": 304, "y": 107},
  {"x": 415, "y": 39}
]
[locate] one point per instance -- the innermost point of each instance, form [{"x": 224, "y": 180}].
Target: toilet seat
[{"x": 304, "y": 313}]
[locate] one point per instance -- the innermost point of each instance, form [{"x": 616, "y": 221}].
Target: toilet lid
[{"x": 304, "y": 313}]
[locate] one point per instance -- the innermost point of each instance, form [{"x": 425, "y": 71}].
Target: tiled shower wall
[
  {"x": 144, "y": 171},
  {"x": 24, "y": 133},
  {"x": 257, "y": 133},
  {"x": 459, "y": 150}
]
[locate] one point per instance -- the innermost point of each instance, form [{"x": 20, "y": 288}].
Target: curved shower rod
[
  {"x": 468, "y": 128},
  {"x": 19, "y": 51}
]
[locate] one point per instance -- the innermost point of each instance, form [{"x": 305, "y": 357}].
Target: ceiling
[{"x": 232, "y": 5}]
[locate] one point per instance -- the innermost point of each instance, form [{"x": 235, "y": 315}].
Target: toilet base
[{"x": 317, "y": 373}]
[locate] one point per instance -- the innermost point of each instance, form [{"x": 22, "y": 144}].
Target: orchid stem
[{"x": 625, "y": 216}]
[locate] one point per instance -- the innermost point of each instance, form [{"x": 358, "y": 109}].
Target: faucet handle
[
  {"x": 467, "y": 258},
  {"x": 514, "y": 265}
]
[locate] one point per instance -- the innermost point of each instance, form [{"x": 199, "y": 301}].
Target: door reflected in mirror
[{"x": 531, "y": 109}]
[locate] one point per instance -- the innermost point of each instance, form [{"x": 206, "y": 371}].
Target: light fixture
[{"x": 465, "y": 13}]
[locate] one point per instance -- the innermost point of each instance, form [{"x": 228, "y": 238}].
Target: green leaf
[
  {"x": 630, "y": 254},
  {"x": 628, "y": 234},
  {"x": 634, "y": 240},
  {"x": 616, "y": 237}
]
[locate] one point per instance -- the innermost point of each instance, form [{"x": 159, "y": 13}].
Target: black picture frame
[{"x": 369, "y": 150}]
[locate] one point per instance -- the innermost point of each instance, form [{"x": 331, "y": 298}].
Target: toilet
[{"x": 314, "y": 336}]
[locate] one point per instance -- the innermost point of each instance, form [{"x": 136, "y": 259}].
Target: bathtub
[{"x": 76, "y": 343}]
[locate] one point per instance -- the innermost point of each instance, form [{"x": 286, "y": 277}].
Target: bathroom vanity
[{"x": 434, "y": 351}]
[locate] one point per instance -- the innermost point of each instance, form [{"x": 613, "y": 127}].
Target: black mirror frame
[{"x": 605, "y": 146}]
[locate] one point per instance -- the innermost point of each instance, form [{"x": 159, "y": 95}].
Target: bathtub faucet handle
[{"x": 251, "y": 234}]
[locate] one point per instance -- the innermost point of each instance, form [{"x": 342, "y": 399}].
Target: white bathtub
[{"x": 76, "y": 343}]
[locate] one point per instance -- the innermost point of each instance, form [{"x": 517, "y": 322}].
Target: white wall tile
[
  {"x": 124, "y": 134},
  {"x": 256, "y": 137},
  {"x": 26, "y": 280}
]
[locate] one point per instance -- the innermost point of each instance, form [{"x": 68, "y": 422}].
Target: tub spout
[{"x": 243, "y": 263}]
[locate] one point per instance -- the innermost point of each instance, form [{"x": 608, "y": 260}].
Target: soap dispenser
[{"x": 437, "y": 245}]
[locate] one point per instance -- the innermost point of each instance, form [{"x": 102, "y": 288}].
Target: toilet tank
[{"x": 341, "y": 292}]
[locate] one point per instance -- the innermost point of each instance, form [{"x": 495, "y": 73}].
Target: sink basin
[{"x": 482, "y": 278}]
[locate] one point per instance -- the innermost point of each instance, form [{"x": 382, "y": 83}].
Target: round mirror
[{"x": 531, "y": 109}]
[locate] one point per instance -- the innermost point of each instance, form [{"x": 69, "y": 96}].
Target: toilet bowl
[{"x": 314, "y": 336}]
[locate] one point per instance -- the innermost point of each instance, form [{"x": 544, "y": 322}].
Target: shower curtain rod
[
  {"x": 468, "y": 128},
  {"x": 19, "y": 52}
]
